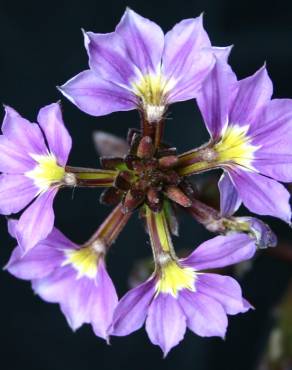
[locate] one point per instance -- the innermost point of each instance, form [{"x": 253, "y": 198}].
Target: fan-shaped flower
[
  {"x": 32, "y": 161},
  {"x": 250, "y": 138},
  {"x": 136, "y": 66},
  {"x": 73, "y": 276},
  {"x": 180, "y": 293}
]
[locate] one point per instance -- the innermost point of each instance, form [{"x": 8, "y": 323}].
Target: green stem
[
  {"x": 88, "y": 177},
  {"x": 160, "y": 237},
  {"x": 197, "y": 160}
]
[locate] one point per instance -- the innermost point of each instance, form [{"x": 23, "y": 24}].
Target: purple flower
[
  {"x": 229, "y": 203},
  {"x": 250, "y": 138},
  {"x": 32, "y": 161},
  {"x": 180, "y": 295},
  {"x": 137, "y": 66},
  {"x": 71, "y": 275}
]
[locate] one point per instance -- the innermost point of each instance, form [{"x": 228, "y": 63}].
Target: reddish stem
[
  {"x": 111, "y": 227},
  {"x": 159, "y": 130}
]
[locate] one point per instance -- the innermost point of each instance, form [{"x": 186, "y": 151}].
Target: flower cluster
[{"x": 139, "y": 67}]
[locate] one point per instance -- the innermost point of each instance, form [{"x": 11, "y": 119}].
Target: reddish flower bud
[
  {"x": 111, "y": 196},
  {"x": 145, "y": 148},
  {"x": 123, "y": 180},
  {"x": 168, "y": 162},
  {"x": 154, "y": 200},
  {"x": 132, "y": 200},
  {"x": 176, "y": 194}
]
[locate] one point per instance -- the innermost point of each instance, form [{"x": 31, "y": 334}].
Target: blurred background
[{"x": 41, "y": 46}]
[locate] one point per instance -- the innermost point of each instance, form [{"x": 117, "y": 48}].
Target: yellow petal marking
[
  {"x": 175, "y": 278},
  {"x": 152, "y": 89},
  {"x": 235, "y": 146},
  {"x": 47, "y": 171},
  {"x": 84, "y": 260}
]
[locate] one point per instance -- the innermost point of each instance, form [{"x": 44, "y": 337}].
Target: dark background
[{"x": 41, "y": 46}]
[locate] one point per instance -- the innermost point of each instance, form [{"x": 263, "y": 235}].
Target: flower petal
[
  {"x": 42, "y": 259},
  {"x": 23, "y": 133},
  {"x": 263, "y": 234},
  {"x": 253, "y": 93},
  {"x": 96, "y": 96},
  {"x": 215, "y": 97},
  {"x": 247, "y": 305},
  {"x": 108, "y": 57},
  {"x": 62, "y": 287},
  {"x": 16, "y": 192},
  {"x": 82, "y": 300},
  {"x": 221, "y": 251},
  {"x": 182, "y": 45},
  {"x": 144, "y": 41},
  {"x": 132, "y": 309},
  {"x": 222, "y": 52},
  {"x": 108, "y": 145},
  {"x": 105, "y": 301},
  {"x": 37, "y": 221},
  {"x": 273, "y": 135},
  {"x": 229, "y": 198},
  {"x": 205, "y": 316},
  {"x": 56, "y": 287},
  {"x": 166, "y": 322},
  {"x": 188, "y": 86},
  {"x": 13, "y": 158},
  {"x": 57, "y": 136},
  {"x": 224, "y": 289},
  {"x": 37, "y": 263},
  {"x": 11, "y": 225},
  {"x": 262, "y": 195}
]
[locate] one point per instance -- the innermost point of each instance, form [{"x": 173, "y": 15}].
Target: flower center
[
  {"x": 84, "y": 260},
  {"x": 235, "y": 146},
  {"x": 46, "y": 172},
  {"x": 175, "y": 278},
  {"x": 152, "y": 89},
  {"x": 145, "y": 175}
]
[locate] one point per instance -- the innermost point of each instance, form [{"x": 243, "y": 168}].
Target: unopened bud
[
  {"x": 154, "y": 200},
  {"x": 176, "y": 194},
  {"x": 153, "y": 195},
  {"x": 145, "y": 148},
  {"x": 171, "y": 178},
  {"x": 132, "y": 200},
  {"x": 123, "y": 180},
  {"x": 111, "y": 196},
  {"x": 168, "y": 162}
]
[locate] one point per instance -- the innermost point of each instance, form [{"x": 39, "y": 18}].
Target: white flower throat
[{"x": 153, "y": 89}]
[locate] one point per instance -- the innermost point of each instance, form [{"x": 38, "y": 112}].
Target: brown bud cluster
[{"x": 146, "y": 175}]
